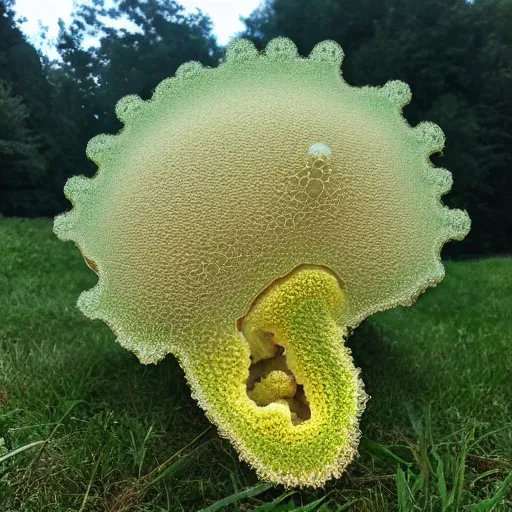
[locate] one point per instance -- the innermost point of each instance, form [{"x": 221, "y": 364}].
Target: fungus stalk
[
  {"x": 294, "y": 381},
  {"x": 245, "y": 219}
]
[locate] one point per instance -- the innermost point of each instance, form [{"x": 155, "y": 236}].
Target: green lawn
[{"x": 85, "y": 427}]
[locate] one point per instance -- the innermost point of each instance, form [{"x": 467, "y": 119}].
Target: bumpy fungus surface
[{"x": 245, "y": 218}]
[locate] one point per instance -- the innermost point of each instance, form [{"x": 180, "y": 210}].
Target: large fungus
[{"x": 244, "y": 219}]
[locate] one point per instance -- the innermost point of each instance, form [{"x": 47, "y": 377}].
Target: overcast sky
[{"x": 224, "y": 14}]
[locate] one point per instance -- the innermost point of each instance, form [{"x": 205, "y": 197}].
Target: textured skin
[
  {"x": 229, "y": 178},
  {"x": 301, "y": 310}
]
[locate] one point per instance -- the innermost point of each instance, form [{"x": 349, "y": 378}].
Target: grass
[{"x": 85, "y": 427}]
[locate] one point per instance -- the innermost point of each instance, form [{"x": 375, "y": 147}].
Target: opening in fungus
[{"x": 270, "y": 380}]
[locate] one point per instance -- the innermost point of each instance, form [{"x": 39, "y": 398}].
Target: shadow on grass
[
  {"x": 391, "y": 377},
  {"x": 389, "y": 372}
]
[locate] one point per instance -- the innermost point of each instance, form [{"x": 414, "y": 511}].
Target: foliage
[
  {"x": 128, "y": 62},
  {"x": 18, "y": 151},
  {"x": 27, "y": 177}
]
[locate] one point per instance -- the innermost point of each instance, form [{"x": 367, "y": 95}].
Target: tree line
[{"x": 455, "y": 54}]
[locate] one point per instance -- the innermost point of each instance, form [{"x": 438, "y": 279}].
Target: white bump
[{"x": 319, "y": 149}]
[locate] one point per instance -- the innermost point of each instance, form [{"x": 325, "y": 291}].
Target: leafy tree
[
  {"x": 455, "y": 62},
  {"x": 494, "y": 100},
  {"x": 129, "y": 62},
  {"x": 25, "y": 137},
  {"x": 306, "y": 22},
  {"x": 19, "y": 154}
]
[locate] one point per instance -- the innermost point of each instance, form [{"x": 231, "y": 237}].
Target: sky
[{"x": 224, "y": 14}]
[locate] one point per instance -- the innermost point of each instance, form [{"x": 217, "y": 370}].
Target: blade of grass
[
  {"x": 347, "y": 505},
  {"x": 180, "y": 462},
  {"x": 405, "y": 497},
  {"x": 88, "y": 490},
  {"x": 235, "y": 498},
  {"x": 441, "y": 480},
  {"x": 71, "y": 406},
  {"x": 489, "y": 504},
  {"x": 488, "y": 434},
  {"x": 20, "y": 450},
  {"x": 268, "y": 507},
  {"x": 312, "y": 505},
  {"x": 379, "y": 449},
  {"x": 162, "y": 466},
  {"x": 458, "y": 486}
]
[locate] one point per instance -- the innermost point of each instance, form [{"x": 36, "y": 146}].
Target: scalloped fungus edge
[{"x": 244, "y": 219}]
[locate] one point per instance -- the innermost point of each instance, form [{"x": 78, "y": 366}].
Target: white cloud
[{"x": 224, "y": 14}]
